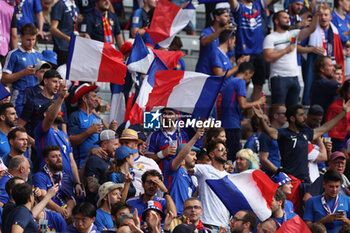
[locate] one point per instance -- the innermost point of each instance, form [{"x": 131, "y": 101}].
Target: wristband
[
  {"x": 75, "y": 184},
  {"x": 160, "y": 155},
  {"x": 166, "y": 193}
]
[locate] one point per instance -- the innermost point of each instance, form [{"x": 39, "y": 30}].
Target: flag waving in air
[
  {"x": 94, "y": 61},
  {"x": 168, "y": 19},
  {"x": 251, "y": 190},
  {"x": 186, "y": 91}
]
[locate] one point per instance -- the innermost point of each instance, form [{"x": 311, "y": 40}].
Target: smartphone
[{"x": 340, "y": 211}]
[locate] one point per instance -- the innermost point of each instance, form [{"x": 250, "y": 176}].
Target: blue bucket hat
[{"x": 123, "y": 151}]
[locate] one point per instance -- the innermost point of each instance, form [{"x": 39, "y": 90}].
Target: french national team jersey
[
  {"x": 4, "y": 145},
  {"x": 343, "y": 25},
  {"x": 203, "y": 64},
  {"x": 230, "y": 112},
  {"x": 53, "y": 137},
  {"x": 249, "y": 33},
  {"x": 182, "y": 188},
  {"x": 26, "y": 14},
  {"x": 17, "y": 60}
]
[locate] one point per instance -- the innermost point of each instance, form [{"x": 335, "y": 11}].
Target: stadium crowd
[{"x": 65, "y": 168}]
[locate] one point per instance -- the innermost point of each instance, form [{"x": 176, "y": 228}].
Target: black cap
[
  {"x": 52, "y": 74},
  {"x": 316, "y": 110}
]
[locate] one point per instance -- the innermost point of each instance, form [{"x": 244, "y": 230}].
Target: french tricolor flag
[
  {"x": 169, "y": 19},
  {"x": 136, "y": 112},
  {"x": 94, "y": 61},
  {"x": 295, "y": 224},
  {"x": 250, "y": 190},
  {"x": 186, "y": 91},
  {"x": 141, "y": 57}
]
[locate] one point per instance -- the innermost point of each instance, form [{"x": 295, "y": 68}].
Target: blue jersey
[
  {"x": 55, "y": 221},
  {"x": 65, "y": 17},
  {"x": 103, "y": 220},
  {"x": 294, "y": 150},
  {"x": 271, "y": 146},
  {"x": 56, "y": 138},
  {"x": 343, "y": 25},
  {"x": 289, "y": 207},
  {"x": 219, "y": 59},
  {"x": 30, "y": 92},
  {"x": 249, "y": 33},
  {"x": 314, "y": 211},
  {"x": 85, "y": 6},
  {"x": 230, "y": 112},
  {"x": 4, "y": 145},
  {"x": 4, "y": 197},
  {"x": 17, "y": 60},
  {"x": 97, "y": 167},
  {"x": 120, "y": 178},
  {"x": 140, "y": 19},
  {"x": 42, "y": 180},
  {"x": 79, "y": 121},
  {"x": 253, "y": 143},
  {"x": 137, "y": 203},
  {"x": 23, "y": 217},
  {"x": 159, "y": 140},
  {"x": 92, "y": 25},
  {"x": 24, "y": 11},
  {"x": 203, "y": 64},
  {"x": 31, "y": 111},
  {"x": 181, "y": 188},
  {"x": 180, "y": 65}
]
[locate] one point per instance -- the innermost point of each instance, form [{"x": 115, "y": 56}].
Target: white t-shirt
[
  {"x": 287, "y": 65},
  {"x": 141, "y": 165},
  {"x": 214, "y": 211}
]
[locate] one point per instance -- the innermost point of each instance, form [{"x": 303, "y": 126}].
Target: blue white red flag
[
  {"x": 136, "y": 113},
  {"x": 186, "y": 91},
  {"x": 250, "y": 190},
  {"x": 117, "y": 111},
  {"x": 94, "y": 61},
  {"x": 169, "y": 19},
  {"x": 141, "y": 57}
]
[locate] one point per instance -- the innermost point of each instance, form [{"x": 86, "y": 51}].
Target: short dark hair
[
  {"x": 4, "y": 107},
  {"x": 220, "y": 11},
  {"x": 245, "y": 66},
  {"x": 192, "y": 199},
  {"x": 320, "y": 62},
  {"x": 274, "y": 109},
  {"x": 251, "y": 218},
  {"x": 150, "y": 173},
  {"x": 13, "y": 133},
  {"x": 212, "y": 145},
  {"x": 280, "y": 196},
  {"x": 28, "y": 29},
  {"x": 336, "y": 3},
  {"x": 201, "y": 154},
  {"x": 48, "y": 149},
  {"x": 277, "y": 15},
  {"x": 177, "y": 42},
  {"x": 10, "y": 184},
  {"x": 118, "y": 206},
  {"x": 338, "y": 67},
  {"x": 225, "y": 35},
  {"x": 331, "y": 175},
  {"x": 86, "y": 209},
  {"x": 21, "y": 193},
  {"x": 292, "y": 111}
]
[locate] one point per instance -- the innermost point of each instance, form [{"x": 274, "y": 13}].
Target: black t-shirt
[{"x": 294, "y": 151}]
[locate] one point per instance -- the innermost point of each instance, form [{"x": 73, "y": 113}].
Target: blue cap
[
  {"x": 196, "y": 149},
  {"x": 49, "y": 56},
  {"x": 281, "y": 178},
  {"x": 123, "y": 151},
  {"x": 291, "y": 1}
]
